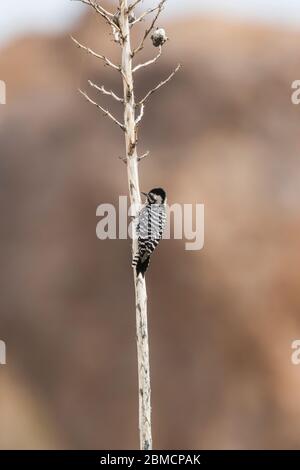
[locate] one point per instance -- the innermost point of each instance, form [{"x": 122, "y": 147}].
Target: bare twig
[
  {"x": 106, "y": 92},
  {"x": 141, "y": 114},
  {"x": 159, "y": 85},
  {"x": 104, "y": 111},
  {"x": 124, "y": 159},
  {"x": 104, "y": 13},
  {"x": 133, "y": 5},
  {"x": 144, "y": 156},
  {"x": 148, "y": 30},
  {"x": 94, "y": 54},
  {"x": 96, "y": 7},
  {"x": 149, "y": 62},
  {"x": 143, "y": 15}
]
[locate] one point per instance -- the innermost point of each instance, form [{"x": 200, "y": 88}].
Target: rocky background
[{"x": 223, "y": 133}]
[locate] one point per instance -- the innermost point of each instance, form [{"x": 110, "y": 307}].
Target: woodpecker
[{"x": 149, "y": 228}]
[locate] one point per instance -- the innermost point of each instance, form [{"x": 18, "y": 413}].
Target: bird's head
[{"x": 156, "y": 196}]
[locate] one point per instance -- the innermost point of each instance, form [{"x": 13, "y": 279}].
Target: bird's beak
[{"x": 145, "y": 194}]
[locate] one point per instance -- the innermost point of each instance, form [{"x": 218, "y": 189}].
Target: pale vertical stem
[{"x": 135, "y": 199}]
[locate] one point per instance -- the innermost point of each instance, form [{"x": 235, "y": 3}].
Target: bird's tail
[{"x": 141, "y": 265}]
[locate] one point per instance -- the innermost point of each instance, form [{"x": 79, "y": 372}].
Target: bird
[{"x": 150, "y": 224}]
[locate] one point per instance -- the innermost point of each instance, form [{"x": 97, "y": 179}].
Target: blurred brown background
[{"x": 223, "y": 133}]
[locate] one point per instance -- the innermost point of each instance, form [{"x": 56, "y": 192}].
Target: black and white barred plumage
[{"x": 149, "y": 228}]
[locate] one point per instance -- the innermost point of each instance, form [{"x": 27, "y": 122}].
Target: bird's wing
[{"x": 143, "y": 222}]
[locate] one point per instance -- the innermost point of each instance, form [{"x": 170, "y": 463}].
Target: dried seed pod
[{"x": 159, "y": 37}]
